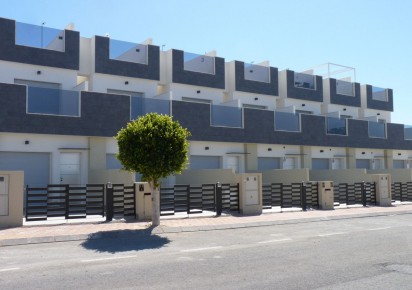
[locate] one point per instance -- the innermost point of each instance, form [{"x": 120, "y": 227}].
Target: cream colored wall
[
  {"x": 277, "y": 150},
  {"x": 350, "y": 111},
  {"x": 204, "y": 176},
  {"x": 340, "y": 176},
  {"x": 113, "y": 176},
  {"x": 398, "y": 175},
  {"x": 101, "y": 83},
  {"x": 13, "y": 70},
  {"x": 15, "y": 189},
  {"x": 314, "y": 107},
  {"x": 86, "y": 56},
  {"x": 53, "y": 144},
  {"x": 188, "y": 91},
  {"x": 285, "y": 176},
  {"x": 219, "y": 149},
  {"x": 249, "y": 98}
]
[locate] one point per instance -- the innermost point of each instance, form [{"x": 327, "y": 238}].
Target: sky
[{"x": 373, "y": 36}]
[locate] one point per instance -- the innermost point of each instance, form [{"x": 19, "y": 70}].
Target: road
[{"x": 357, "y": 253}]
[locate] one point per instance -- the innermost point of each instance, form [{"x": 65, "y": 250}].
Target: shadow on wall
[{"x": 124, "y": 240}]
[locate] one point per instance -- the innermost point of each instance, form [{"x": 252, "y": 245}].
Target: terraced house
[{"x": 63, "y": 97}]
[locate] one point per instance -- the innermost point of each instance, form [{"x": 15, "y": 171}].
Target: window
[
  {"x": 304, "y": 81},
  {"x": 379, "y": 94}
]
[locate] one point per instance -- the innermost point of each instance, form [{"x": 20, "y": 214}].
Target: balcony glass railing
[
  {"x": 198, "y": 63},
  {"x": 46, "y": 101},
  {"x": 336, "y": 126},
  {"x": 377, "y": 129},
  {"x": 407, "y": 131},
  {"x": 140, "y": 106},
  {"x": 305, "y": 81},
  {"x": 344, "y": 88},
  {"x": 379, "y": 94},
  {"x": 287, "y": 122},
  {"x": 225, "y": 116},
  {"x": 128, "y": 51},
  {"x": 39, "y": 36},
  {"x": 257, "y": 73}
]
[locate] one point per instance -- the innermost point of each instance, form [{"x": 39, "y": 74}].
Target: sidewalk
[{"x": 84, "y": 231}]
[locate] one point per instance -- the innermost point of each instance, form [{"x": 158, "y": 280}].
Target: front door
[
  {"x": 70, "y": 168},
  {"x": 233, "y": 163}
]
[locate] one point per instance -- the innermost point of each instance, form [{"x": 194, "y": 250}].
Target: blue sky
[{"x": 374, "y": 36}]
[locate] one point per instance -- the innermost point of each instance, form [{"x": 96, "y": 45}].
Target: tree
[{"x": 155, "y": 146}]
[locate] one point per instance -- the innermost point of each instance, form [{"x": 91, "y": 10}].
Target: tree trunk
[{"x": 155, "y": 205}]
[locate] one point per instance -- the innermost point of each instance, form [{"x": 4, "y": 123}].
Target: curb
[{"x": 174, "y": 230}]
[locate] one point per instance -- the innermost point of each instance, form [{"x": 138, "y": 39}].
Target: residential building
[{"x": 63, "y": 97}]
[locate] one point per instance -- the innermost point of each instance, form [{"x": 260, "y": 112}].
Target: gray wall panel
[
  {"x": 105, "y": 65},
  {"x": 335, "y": 98},
  {"x": 243, "y": 85},
  {"x": 9, "y": 51},
  {"x": 179, "y": 75}
]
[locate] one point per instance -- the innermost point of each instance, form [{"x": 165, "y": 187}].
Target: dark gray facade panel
[
  {"x": 335, "y": 98},
  {"x": 248, "y": 86},
  {"x": 105, "y": 65},
  {"x": 301, "y": 93},
  {"x": 9, "y": 51},
  {"x": 259, "y": 128},
  {"x": 101, "y": 115},
  {"x": 181, "y": 76},
  {"x": 379, "y": 105}
]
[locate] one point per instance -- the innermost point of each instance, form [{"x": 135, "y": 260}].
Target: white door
[
  {"x": 233, "y": 162},
  {"x": 289, "y": 163},
  {"x": 70, "y": 168},
  {"x": 377, "y": 163},
  {"x": 338, "y": 163}
]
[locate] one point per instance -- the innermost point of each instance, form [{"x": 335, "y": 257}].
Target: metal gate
[
  {"x": 192, "y": 199},
  {"x": 62, "y": 200},
  {"x": 351, "y": 194},
  {"x": 401, "y": 191},
  {"x": 300, "y": 195},
  {"x": 124, "y": 200}
]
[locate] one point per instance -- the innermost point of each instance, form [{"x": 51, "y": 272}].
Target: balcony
[
  {"x": 379, "y": 94},
  {"x": 407, "y": 131},
  {"x": 140, "y": 106},
  {"x": 336, "y": 126},
  {"x": 128, "y": 52},
  {"x": 39, "y": 37},
  {"x": 198, "y": 63},
  {"x": 257, "y": 73},
  {"x": 304, "y": 81},
  {"x": 345, "y": 88},
  {"x": 287, "y": 122},
  {"x": 225, "y": 116},
  {"x": 377, "y": 129},
  {"x": 45, "y": 101}
]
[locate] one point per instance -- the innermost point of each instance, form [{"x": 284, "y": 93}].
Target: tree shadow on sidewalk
[{"x": 124, "y": 241}]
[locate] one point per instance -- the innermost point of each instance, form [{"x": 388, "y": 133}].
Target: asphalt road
[{"x": 358, "y": 253}]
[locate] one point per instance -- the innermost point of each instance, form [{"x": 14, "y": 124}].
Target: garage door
[
  {"x": 268, "y": 163},
  {"x": 204, "y": 162},
  {"x": 363, "y": 163},
  {"x": 36, "y": 166},
  {"x": 320, "y": 163}
]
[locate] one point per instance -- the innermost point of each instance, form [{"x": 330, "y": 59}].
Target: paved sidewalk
[{"x": 82, "y": 231}]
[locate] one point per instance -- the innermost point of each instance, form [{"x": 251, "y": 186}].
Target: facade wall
[
  {"x": 9, "y": 51},
  {"x": 179, "y": 75},
  {"x": 103, "y": 64}
]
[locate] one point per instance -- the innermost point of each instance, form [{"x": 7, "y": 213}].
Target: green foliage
[{"x": 153, "y": 145}]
